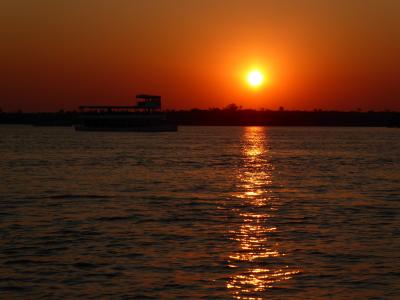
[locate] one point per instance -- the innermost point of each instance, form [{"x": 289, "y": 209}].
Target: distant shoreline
[{"x": 226, "y": 117}]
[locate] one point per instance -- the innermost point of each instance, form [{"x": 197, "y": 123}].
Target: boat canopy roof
[
  {"x": 148, "y": 97},
  {"x": 145, "y": 103},
  {"x": 105, "y": 107}
]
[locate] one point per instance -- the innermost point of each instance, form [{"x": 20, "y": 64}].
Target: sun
[{"x": 255, "y": 78}]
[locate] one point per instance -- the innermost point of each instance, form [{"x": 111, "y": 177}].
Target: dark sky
[{"x": 196, "y": 53}]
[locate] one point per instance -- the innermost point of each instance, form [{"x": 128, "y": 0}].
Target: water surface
[{"x": 207, "y": 212}]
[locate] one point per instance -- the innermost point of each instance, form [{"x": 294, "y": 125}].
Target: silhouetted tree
[{"x": 231, "y": 107}]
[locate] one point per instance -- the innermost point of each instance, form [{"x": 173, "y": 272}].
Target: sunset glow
[{"x": 200, "y": 54}]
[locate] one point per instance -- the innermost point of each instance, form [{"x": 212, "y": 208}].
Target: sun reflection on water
[{"x": 253, "y": 234}]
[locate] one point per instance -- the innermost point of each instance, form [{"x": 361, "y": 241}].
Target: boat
[{"x": 145, "y": 116}]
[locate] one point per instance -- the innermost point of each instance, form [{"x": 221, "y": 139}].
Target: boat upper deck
[{"x": 145, "y": 104}]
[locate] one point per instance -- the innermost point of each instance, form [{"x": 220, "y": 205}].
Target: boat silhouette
[{"x": 145, "y": 116}]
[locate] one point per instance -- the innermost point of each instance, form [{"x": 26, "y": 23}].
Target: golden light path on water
[{"x": 255, "y": 274}]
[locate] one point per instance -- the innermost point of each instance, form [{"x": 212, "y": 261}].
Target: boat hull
[{"x": 151, "y": 128}]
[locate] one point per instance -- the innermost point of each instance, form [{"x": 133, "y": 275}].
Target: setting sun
[{"x": 255, "y": 78}]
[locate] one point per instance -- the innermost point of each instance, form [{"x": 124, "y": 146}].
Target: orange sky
[{"x": 195, "y": 53}]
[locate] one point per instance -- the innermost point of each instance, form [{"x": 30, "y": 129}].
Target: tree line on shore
[{"x": 231, "y": 115}]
